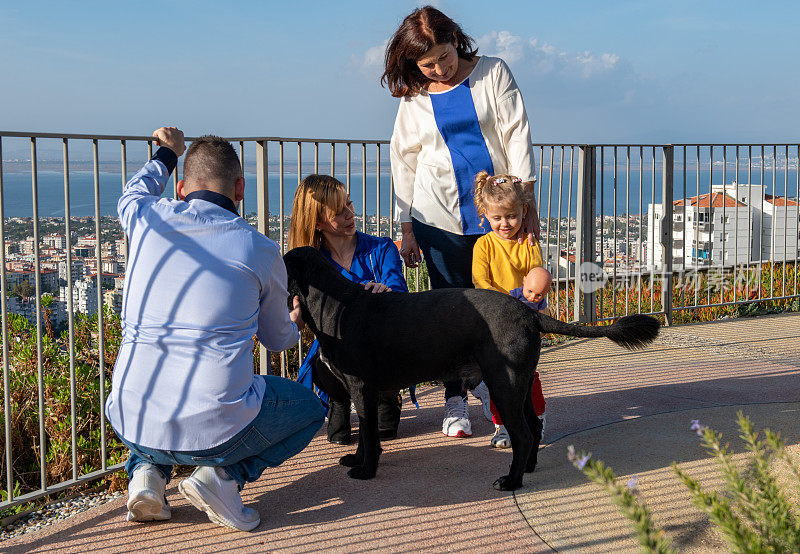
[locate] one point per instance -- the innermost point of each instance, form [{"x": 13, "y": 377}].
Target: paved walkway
[{"x": 631, "y": 409}]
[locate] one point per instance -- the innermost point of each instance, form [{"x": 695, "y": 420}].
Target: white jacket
[{"x": 442, "y": 140}]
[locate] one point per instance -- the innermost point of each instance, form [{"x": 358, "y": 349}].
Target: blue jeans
[
  {"x": 290, "y": 416},
  {"x": 448, "y": 257}
]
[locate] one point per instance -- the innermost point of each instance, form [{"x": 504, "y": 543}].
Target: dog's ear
[
  {"x": 293, "y": 262},
  {"x": 297, "y": 271}
]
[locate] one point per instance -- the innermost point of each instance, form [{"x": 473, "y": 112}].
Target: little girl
[{"x": 501, "y": 262}]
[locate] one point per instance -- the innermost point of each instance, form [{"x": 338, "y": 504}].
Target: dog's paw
[
  {"x": 362, "y": 472},
  {"x": 505, "y": 483},
  {"x": 350, "y": 460}
]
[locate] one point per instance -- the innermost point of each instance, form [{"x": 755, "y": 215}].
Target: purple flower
[
  {"x": 576, "y": 458},
  {"x": 633, "y": 482},
  {"x": 697, "y": 427}
]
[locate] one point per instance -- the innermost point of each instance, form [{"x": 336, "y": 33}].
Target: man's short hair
[{"x": 211, "y": 160}]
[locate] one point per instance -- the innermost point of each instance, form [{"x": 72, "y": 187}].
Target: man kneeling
[{"x": 200, "y": 283}]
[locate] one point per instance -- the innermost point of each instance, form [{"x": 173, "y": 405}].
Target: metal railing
[
  {"x": 613, "y": 206},
  {"x": 630, "y": 203}
]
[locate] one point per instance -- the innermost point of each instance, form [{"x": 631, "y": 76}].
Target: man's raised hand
[{"x": 172, "y": 138}]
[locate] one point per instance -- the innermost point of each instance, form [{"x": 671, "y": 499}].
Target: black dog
[{"x": 374, "y": 342}]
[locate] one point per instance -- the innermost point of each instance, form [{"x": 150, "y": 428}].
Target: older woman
[
  {"x": 459, "y": 114},
  {"x": 323, "y": 217}
]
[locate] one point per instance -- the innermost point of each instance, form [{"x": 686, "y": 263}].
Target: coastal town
[{"x": 74, "y": 262}]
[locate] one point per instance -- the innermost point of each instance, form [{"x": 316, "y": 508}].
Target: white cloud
[
  {"x": 544, "y": 58},
  {"x": 373, "y": 57},
  {"x": 503, "y": 45}
]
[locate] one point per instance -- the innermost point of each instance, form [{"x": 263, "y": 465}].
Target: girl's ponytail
[{"x": 481, "y": 182}]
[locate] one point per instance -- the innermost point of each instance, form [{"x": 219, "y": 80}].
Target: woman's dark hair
[{"x": 423, "y": 29}]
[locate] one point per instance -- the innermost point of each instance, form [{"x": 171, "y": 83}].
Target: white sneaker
[
  {"x": 481, "y": 392},
  {"x": 212, "y": 491},
  {"x": 456, "y": 418},
  {"x": 501, "y": 439},
  {"x": 146, "y": 499}
]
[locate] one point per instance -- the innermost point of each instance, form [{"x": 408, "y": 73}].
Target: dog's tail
[{"x": 632, "y": 331}]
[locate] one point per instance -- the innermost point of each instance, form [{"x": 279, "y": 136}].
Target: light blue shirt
[{"x": 200, "y": 283}]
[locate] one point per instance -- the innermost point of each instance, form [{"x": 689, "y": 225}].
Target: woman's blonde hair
[
  {"x": 316, "y": 197},
  {"x": 499, "y": 189}
]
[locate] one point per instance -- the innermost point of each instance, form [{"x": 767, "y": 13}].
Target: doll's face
[{"x": 535, "y": 287}]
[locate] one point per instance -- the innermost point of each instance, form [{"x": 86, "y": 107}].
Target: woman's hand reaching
[
  {"x": 531, "y": 228},
  {"x": 376, "y": 287},
  {"x": 409, "y": 249}
]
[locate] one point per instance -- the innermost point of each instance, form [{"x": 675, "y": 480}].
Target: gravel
[
  {"x": 55, "y": 512},
  {"x": 727, "y": 347}
]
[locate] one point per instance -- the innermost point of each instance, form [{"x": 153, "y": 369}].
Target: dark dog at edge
[{"x": 374, "y": 342}]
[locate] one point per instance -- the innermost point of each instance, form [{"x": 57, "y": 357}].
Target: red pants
[{"x": 536, "y": 396}]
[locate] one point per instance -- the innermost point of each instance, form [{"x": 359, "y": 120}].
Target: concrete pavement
[{"x": 631, "y": 409}]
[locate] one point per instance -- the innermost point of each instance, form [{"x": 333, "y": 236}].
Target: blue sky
[{"x": 682, "y": 71}]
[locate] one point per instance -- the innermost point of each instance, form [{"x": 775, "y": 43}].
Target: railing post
[
  {"x": 666, "y": 231},
  {"x": 262, "y": 207},
  {"x": 585, "y": 234}
]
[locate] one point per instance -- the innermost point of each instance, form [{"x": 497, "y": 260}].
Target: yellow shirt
[{"x": 501, "y": 264}]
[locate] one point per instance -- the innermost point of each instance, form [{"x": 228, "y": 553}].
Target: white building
[
  {"x": 122, "y": 249},
  {"x": 78, "y": 272},
  {"x": 110, "y": 265},
  {"x": 559, "y": 262},
  {"x": 733, "y": 224},
  {"x": 779, "y": 228},
  {"x": 28, "y": 246},
  {"x": 86, "y": 241},
  {"x": 56, "y": 241},
  {"x": 84, "y": 296}
]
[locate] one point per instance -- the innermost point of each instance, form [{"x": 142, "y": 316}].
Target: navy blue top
[{"x": 517, "y": 293}]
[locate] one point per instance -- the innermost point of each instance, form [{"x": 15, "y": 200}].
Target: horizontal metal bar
[
  {"x": 307, "y": 140},
  {"x": 74, "y": 136},
  {"x": 64, "y": 485},
  {"x": 737, "y": 303},
  {"x": 23, "y": 134},
  {"x": 612, "y": 318},
  {"x": 693, "y": 145}
]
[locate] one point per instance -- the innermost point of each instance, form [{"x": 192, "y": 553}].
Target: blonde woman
[{"x": 323, "y": 217}]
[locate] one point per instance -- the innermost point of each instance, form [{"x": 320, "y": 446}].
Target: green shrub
[
  {"x": 56, "y": 399},
  {"x": 755, "y": 514}
]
